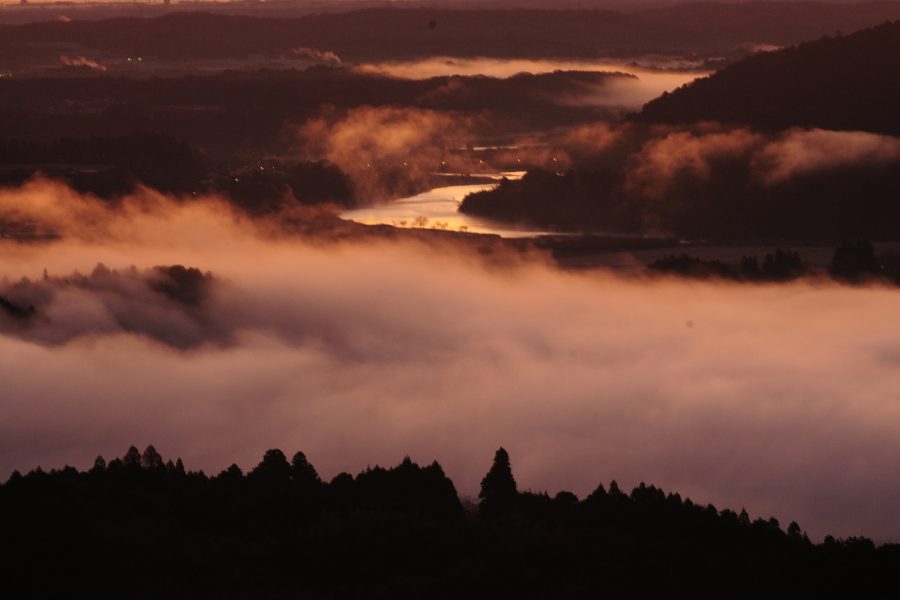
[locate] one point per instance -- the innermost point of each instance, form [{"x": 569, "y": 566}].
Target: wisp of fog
[
  {"x": 653, "y": 75},
  {"x": 778, "y": 398}
]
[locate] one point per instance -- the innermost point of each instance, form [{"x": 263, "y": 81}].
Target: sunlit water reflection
[{"x": 438, "y": 208}]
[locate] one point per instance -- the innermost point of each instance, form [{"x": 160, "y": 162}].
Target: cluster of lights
[{"x": 444, "y": 163}]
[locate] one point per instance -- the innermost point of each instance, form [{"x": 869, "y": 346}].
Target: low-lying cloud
[
  {"x": 800, "y": 152},
  {"x": 81, "y": 61},
  {"x": 665, "y": 153},
  {"x": 664, "y": 159},
  {"x": 652, "y": 75},
  {"x": 322, "y": 56},
  {"x": 779, "y": 398},
  {"x": 171, "y": 305},
  {"x": 385, "y": 150}
]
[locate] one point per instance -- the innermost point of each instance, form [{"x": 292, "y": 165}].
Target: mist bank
[
  {"x": 651, "y": 75},
  {"x": 316, "y": 137},
  {"x": 777, "y": 398},
  {"x": 210, "y": 110},
  {"x": 710, "y": 181}
]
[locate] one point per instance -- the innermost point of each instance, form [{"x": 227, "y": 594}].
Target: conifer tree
[{"x": 498, "y": 488}]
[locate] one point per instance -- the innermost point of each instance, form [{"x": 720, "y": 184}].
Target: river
[{"x": 438, "y": 208}]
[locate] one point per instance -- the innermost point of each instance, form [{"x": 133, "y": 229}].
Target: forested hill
[
  {"x": 143, "y": 527},
  {"x": 843, "y": 83},
  {"x": 704, "y": 28}
]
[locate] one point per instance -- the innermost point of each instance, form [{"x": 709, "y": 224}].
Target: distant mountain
[
  {"x": 843, "y": 83},
  {"x": 385, "y": 33}
]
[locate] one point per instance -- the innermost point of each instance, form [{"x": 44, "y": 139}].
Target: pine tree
[
  {"x": 498, "y": 488},
  {"x": 151, "y": 459},
  {"x": 274, "y": 466},
  {"x": 302, "y": 471},
  {"x": 132, "y": 458}
]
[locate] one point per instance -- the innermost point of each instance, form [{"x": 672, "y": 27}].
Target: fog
[
  {"x": 656, "y": 159},
  {"x": 805, "y": 151},
  {"x": 653, "y": 75},
  {"x": 385, "y": 150},
  {"x": 440, "y": 66},
  {"x": 390, "y": 152},
  {"x": 81, "y": 61},
  {"x": 778, "y": 398}
]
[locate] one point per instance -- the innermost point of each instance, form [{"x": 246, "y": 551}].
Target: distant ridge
[
  {"x": 705, "y": 28},
  {"x": 843, "y": 83}
]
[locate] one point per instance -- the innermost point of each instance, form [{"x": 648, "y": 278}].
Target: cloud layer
[
  {"x": 778, "y": 398},
  {"x": 653, "y": 76},
  {"x": 384, "y": 150}
]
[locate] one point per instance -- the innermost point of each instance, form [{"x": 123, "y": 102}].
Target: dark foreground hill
[
  {"x": 847, "y": 82},
  {"x": 142, "y": 527}
]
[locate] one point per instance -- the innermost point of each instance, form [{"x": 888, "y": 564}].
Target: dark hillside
[
  {"x": 845, "y": 83},
  {"x": 143, "y": 527}
]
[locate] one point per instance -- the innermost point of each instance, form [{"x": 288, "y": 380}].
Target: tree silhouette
[
  {"x": 274, "y": 466},
  {"x": 99, "y": 464},
  {"x": 401, "y": 528},
  {"x": 853, "y": 261},
  {"x": 302, "y": 471},
  {"x": 232, "y": 473},
  {"x": 132, "y": 458},
  {"x": 151, "y": 459},
  {"x": 498, "y": 488},
  {"x": 614, "y": 490}
]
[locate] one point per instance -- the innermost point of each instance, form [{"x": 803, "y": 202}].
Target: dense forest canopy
[
  {"x": 145, "y": 526},
  {"x": 849, "y": 82}
]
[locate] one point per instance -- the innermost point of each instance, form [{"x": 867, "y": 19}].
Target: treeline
[
  {"x": 113, "y": 166},
  {"x": 143, "y": 526},
  {"x": 845, "y": 82},
  {"x": 728, "y": 202},
  {"x": 852, "y": 262},
  {"x": 106, "y": 166},
  {"x": 252, "y": 113}
]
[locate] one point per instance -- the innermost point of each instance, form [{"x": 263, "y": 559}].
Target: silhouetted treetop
[
  {"x": 855, "y": 261},
  {"x": 273, "y": 466},
  {"x": 132, "y": 457},
  {"x": 151, "y": 459},
  {"x": 99, "y": 464},
  {"x": 302, "y": 471},
  {"x": 498, "y": 487}
]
